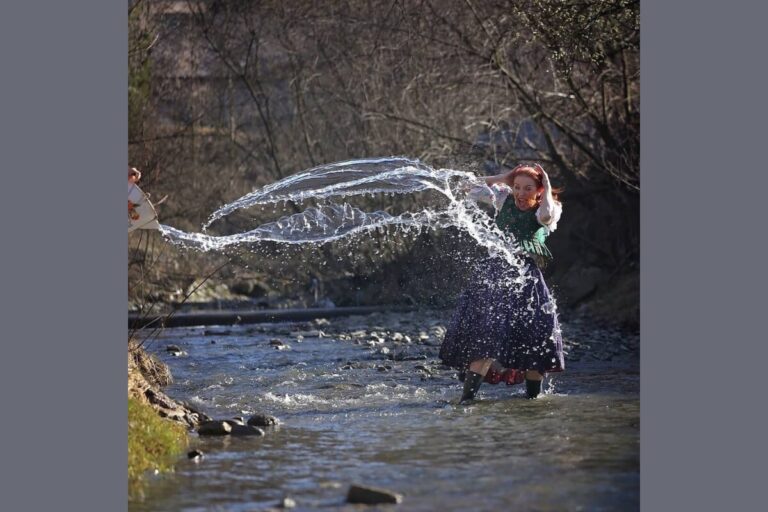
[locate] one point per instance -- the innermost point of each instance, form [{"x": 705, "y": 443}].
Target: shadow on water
[{"x": 350, "y": 415}]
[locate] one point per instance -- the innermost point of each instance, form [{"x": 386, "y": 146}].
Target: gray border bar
[
  {"x": 703, "y": 419},
  {"x": 63, "y": 111}
]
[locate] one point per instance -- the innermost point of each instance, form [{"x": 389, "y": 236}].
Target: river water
[{"x": 365, "y": 400}]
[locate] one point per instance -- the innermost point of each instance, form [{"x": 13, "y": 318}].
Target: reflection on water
[{"x": 349, "y": 415}]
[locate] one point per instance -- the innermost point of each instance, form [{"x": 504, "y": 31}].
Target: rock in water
[
  {"x": 246, "y": 430},
  {"x": 214, "y": 428},
  {"x": 174, "y": 350},
  {"x": 262, "y": 420},
  {"x": 372, "y": 495},
  {"x": 195, "y": 455}
]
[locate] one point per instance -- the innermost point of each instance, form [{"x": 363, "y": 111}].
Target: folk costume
[{"x": 499, "y": 318}]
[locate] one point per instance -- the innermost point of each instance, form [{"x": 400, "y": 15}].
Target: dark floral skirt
[{"x": 513, "y": 323}]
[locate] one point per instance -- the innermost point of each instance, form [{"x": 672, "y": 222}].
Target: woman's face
[{"x": 524, "y": 191}]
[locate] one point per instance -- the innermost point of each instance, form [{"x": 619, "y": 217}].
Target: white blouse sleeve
[
  {"x": 554, "y": 212},
  {"x": 494, "y": 195},
  {"x": 134, "y": 194}
]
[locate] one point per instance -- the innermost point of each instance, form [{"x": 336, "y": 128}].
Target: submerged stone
[
  {"x": 246, "y": 430},
  {"x": 372, "y": 495}
]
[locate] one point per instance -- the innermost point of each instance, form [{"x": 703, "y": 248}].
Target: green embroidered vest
[{"x": 529, "y": 234}]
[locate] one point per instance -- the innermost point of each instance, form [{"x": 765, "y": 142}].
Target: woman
[{"x": 502, "y": 330}]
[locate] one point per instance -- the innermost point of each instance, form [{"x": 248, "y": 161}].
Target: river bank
[{"x": 157, "y": 424}]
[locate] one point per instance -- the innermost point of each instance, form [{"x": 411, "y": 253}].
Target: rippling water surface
[{"x": 355, "y": 409}]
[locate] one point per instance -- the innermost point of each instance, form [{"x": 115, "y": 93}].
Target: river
[{"x": 365, "y": 400}]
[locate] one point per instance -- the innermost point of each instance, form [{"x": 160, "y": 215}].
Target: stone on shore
[{"x": 372, "y": 495}]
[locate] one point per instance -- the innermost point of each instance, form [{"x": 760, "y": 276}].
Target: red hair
[{"x": 532, "y": 172}]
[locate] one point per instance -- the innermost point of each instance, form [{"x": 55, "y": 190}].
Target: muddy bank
[{"x": 146, "y": 376}]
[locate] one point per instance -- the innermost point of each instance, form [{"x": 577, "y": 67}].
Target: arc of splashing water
[
  {"x": 329, "y": 222},
  {"x": 344, "y": 179}
]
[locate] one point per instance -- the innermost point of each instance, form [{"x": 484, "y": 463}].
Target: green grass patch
[{"x": 153, "y": 442}]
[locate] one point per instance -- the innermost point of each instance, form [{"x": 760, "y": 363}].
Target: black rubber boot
[
  {"x": 533, "y": 388},
  {"x": 472, "y": 383}
]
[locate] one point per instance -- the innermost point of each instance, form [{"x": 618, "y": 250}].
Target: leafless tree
[{"x": 230, "y": 95}]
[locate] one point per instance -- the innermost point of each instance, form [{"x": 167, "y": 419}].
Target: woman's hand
[
  {"x": 134, "y": 175},
  {"x": 544, "y": 178},
  {"x": 501, "y": 178}
]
